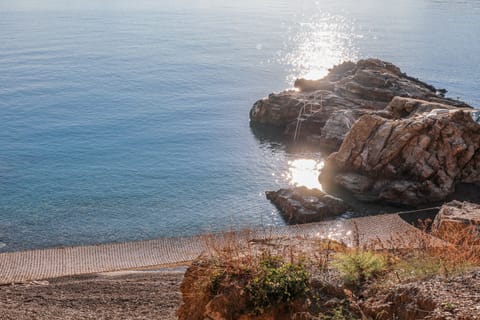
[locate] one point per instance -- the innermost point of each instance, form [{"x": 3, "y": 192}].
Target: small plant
[
  {"x": 359, "y": 266},
  {"x": 448, "y": 306},
  {"x": 275, "y": 282}
]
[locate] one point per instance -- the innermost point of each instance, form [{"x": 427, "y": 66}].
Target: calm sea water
[{"x": 127, "y": 120}]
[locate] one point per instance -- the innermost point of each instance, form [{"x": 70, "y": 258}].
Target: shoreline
[{"x": 24, "y": 266}]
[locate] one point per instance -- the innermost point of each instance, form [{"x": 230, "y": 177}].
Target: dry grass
[
  {"x": 237, "y": 259},
  {"x": 409, "y": 258},
  {"x": 452, "y": 251},
  {"x": 239, "y": 249}
]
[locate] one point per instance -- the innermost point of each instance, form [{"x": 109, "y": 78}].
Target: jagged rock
[
  {"x": 323, "y": 111},
  {"x": 303, "y": 205},
  {"x": 412, "y": 152},
  {"x": 456, "y": 219}
]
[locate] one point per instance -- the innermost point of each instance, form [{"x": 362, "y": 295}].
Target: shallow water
[{"x": 125, "y": 121}]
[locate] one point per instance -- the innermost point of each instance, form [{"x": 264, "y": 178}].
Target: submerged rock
[
  {"x": 413, "y": 152},
  {"x": 323, "y": 111},
  {"x": 303, "y": 205}
]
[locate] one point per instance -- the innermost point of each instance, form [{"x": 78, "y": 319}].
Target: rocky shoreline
[{"x": 392, "y": 138}]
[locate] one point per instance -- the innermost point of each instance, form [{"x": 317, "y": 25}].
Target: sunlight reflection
[
  {"x": 318, "y": 44},
  {"x": 304, "y": 172}
]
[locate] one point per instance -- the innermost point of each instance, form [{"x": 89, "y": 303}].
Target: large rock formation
[
  {"x": 412, "y": 152},
  {"x": 323, "y": 111},
  {"x": 398, "y": 140}
]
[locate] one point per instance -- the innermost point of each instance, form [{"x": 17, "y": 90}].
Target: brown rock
[
  {"x": 457, "y": 219},
  {"x": 195, "y": 291},
  {"x": 215, "y": 285},
  {"x": 416, "y": 156},
  {"x": 303, "y": 205}
]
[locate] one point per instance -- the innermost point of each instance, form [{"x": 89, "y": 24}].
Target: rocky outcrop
[
  {"x": 218, "y": 285},
  {"x": 323, "y": 111},
  {"x": 457, "y": 220},
  {"x": 412, "y": 152},
  {"x": 302, "y": 205},
  {"x": 396, "y": 139}
]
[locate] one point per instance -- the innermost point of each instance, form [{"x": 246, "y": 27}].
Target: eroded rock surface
[
  {"x": 215, "y": 285},
  {"x": 414, "y": 152},
  {"x": 302, "y": 205},
  {"x": 323, "y": 111}
]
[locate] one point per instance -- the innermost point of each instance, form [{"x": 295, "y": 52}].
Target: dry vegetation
[{"x": 256, "y": 277}]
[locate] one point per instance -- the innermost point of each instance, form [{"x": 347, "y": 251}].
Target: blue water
[{"x": 124, "y": 121}]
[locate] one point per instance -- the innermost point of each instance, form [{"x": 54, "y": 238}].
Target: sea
[{"x": 129, "y": 120}]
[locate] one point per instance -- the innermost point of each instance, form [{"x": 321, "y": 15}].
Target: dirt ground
[{"x": 153, "y": 294}]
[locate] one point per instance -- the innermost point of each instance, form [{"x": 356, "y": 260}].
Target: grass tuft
[{"x": 357, "y": 266}]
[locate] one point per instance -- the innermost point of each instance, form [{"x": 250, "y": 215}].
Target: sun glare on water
[
  {"x": 304, "y": 172},
  {"x": 318, "y": 43}
]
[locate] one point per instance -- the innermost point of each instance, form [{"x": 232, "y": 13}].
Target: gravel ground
[
  {"x": 455, "y": 298},
  {"x": 119, "y": 295}
]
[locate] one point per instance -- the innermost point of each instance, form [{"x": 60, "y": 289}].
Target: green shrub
[
  {"x": 216, "y": 279},
  {"x": 359, "y": 266},
  {"x": 276, "y": 282}
]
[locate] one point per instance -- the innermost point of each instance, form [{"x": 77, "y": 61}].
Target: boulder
[
  {"x": 303, "y": 205},
  {"x": 457, "y": 219},
  {"x": 323, "y": 111},
  {"x": 411, "y": 152}
]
